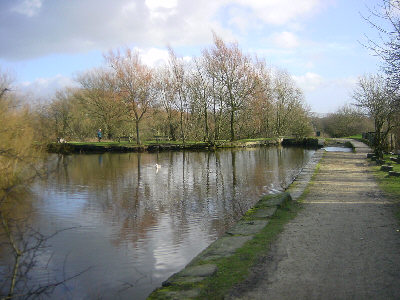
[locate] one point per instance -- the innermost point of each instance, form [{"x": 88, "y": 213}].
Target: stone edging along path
[{"x": 249, "y": 225}]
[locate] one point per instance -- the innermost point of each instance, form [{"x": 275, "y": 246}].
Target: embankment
[{"x": 67, "y": 148}]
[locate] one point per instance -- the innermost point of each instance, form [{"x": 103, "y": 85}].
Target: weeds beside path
[{"x": 344, "y": 244}]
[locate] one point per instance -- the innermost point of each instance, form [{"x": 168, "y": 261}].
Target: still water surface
[{"x": 135, "y": 224}]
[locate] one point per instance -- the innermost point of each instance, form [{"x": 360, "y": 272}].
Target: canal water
[{"x": 131, "y": 220}]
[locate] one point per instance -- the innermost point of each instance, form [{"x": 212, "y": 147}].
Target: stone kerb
[
  {"x": 393, "y": 173},
  {"x": 301, "y": 181},
  {"x": 386, "y": 168},
  {"x": 360, "y": 147},
  {"x": 395, "y": 159}
]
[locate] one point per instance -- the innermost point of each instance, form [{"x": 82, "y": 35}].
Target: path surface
[{"x": 344, "y": 244}]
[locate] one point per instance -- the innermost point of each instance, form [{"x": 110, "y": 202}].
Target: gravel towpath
[{"x": 344, "y": 244}]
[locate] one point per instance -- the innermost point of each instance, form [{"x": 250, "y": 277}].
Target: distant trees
[
  {"x": 66, "y": 117},
  {"x": 348, "y": 120},
  {"x": 222, "y": 94},
  {"x": 100, "y": 99}
]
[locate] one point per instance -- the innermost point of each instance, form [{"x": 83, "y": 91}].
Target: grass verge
[
  {"x": 356, "y": 137},
  {"x": 390, "y": 185},
  {"x": 234, "y": 269}
]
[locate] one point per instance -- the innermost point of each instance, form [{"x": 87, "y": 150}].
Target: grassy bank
[
  {"x": 389, "y": 184},
  {"x": 235, "y": 269}
]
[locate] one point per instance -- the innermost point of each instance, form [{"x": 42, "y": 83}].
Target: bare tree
[
  {"x": 201, "y": 96},
  {"x": 288, "y": 101},
  {"x": 5, "y": 83},
  {"x": 65, "y": 117},
  {"x": 385, "y": 18},
  {"x": 376, "y": 98},
  {"x": 165, "y": 98},
  {"x": 261, "y": 106},
  {"x": 134, "y": 81},
  {"x": 177, "y": 71},
  {"x": 224, "y": 94},
  {"x": 100, "y": 99},
  {"x": 233, "y": 72}
]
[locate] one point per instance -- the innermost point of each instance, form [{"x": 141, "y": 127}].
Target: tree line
[{"x": 224, "y": 94}]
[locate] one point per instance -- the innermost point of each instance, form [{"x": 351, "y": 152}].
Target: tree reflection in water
[{"x": 136, "y": 225}]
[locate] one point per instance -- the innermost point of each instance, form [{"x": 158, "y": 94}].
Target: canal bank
[
  {"x": 103, "y": 147},
  {"x": 343, "y": 242},
  {"x": 226, "y": 261}
]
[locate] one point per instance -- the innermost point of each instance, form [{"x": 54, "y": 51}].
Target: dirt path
[{"x": 344, "y": 244}]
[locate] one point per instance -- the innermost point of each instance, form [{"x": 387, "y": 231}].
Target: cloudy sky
[{"x": 46, "y": 43}]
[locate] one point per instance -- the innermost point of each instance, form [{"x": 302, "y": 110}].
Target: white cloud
[
  {"x": 326, "y": 95},
  {"x": 309, "y": 81},
  {"x": 161, "y": 9},
  {"x": 282, "y": 11},
  {"x": 153, "y": 56},
  {"x": 285, "y": 39},
  {"x": 250, "y": 14},
  {"x": 157, "y": 4},
  {"x": 28, "y": 8},
  {"x": 45, "y": 88},
  {"x": 239, "y": 18},
  {"x": 76, "y": 26}
]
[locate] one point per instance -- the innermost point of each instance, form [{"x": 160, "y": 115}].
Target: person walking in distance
[{"x": 99, "y": 135}]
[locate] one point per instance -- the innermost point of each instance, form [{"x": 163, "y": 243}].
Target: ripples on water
[{"x": 135, "y": 224}]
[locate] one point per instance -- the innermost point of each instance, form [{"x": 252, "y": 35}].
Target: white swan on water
[{"x": 157, "y": 166}]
